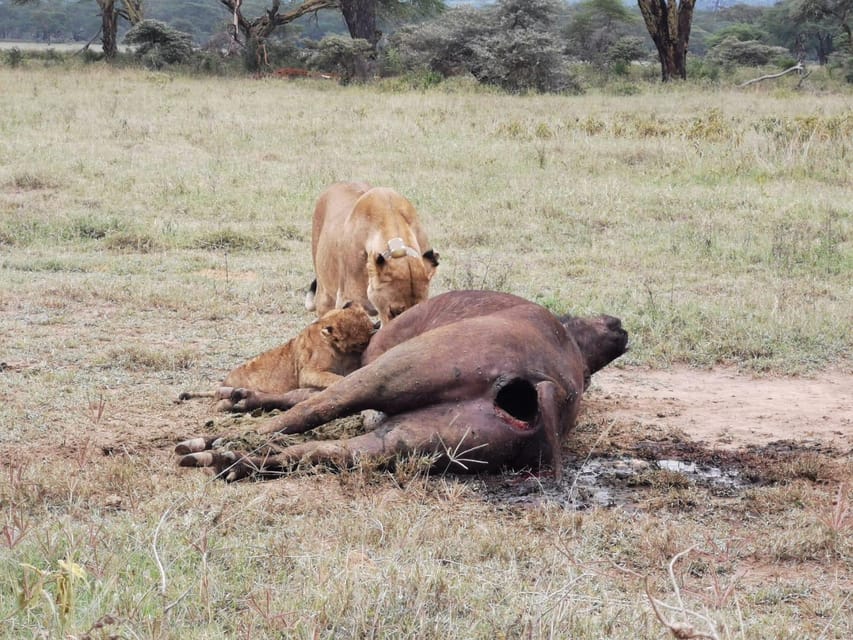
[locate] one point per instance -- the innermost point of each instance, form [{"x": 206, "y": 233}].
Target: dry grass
[{"x": 154, "y": 232}]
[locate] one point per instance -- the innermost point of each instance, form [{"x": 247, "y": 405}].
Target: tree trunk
[
  {"x": 109, "y": 28},
  {"x": 360, "y": 16},
  {"x": 824, "y": 47},
  {"x": 669, "y": 27}
]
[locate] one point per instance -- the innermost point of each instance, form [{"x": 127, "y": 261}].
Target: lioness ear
[
  {"x": 431, "y": 256},
  {"x": 380, "y": 260}
]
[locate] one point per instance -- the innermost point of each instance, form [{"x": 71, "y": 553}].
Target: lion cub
[{"x": 323, "y": 353}]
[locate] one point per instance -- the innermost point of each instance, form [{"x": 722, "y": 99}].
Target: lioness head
[
  {"x": 395, "y": 284},
  {"x": 347, "y": 330}
]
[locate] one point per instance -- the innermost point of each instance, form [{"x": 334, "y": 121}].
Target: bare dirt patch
[{"x": 727, "y": 409}]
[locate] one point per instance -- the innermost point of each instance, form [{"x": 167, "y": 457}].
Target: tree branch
[{"x": 797, "y": 67}]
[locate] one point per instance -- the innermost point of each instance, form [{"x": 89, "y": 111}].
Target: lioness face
[{"x": 399, "y": 283}]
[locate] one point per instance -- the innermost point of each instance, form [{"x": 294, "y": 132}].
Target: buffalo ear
[{"x": 431, "y": 256}]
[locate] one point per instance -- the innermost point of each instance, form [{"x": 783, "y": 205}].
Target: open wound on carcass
[{"x": 517, "y": 404}]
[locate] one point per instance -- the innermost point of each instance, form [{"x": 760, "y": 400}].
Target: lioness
[
  {"x": 368, "y": 246},
  {"x": 323, "y": 353}
]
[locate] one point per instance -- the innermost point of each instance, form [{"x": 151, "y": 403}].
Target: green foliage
[
  {"x": 14, "y": 57},
  {"x": 596, "y": 27},
  {"x": 442, "y": 45},
  {"x": 399, "y": 11},
  {"x": 344, "y": 56},
  {"x": 838, "y": 13},
  {"x": 514, "y": 46},
  {"x": 627, "y": 49},
  {"x": 749, "y": 53},
  {"x": 157, "y": 44},
  {"x": 740, "y": 32},
  {"x": 842, "y": 62}
]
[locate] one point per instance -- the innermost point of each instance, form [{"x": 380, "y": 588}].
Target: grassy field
[{"x": 155, "y": 232}]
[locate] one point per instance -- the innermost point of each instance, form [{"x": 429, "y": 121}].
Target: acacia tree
[
  {"x": 668, "y": 23},
  {"x": 257, "y": 29},
  {"x": 111, "y": 11},
  {"x": 839, "y": 12},
  {"x": 596, "y": 27},
  {"x": 359, "y": 15}
]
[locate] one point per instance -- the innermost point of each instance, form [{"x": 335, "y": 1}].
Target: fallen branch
[{"x": 797, "y": 67}]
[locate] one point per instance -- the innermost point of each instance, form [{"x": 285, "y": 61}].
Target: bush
[
  {"x": 157, "y": 44},
  {"x": 14, "y": 57},
  {"x": 514, "y": 45},
  {"x": 749, "y": 53},
  {"x": 627, "y": 49},
  {"x": 740, "y": 32},
  {"x": 346, "y": 57},
  {"x": 842, "y": 62}
]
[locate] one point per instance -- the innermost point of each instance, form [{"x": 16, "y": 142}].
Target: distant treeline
[{"x": 79, "y": 21}]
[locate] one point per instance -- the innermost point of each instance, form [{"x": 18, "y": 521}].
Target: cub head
[
  {"x": 347, "y": 330},
  {"x": 395, "y": 284}
]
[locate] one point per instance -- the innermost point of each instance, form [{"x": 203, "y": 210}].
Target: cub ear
[
  {"x": 432, "y": 257},
  {"x": 347, "y": 304},
  {"x": 328, "y": 331}
]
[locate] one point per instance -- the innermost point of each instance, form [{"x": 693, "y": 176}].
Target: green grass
[
  {"x": 682, "y": 212},
  {"x": 155, "y": 232}
]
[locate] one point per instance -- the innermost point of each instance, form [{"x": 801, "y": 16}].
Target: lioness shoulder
[{"x": 368, "y": 245}]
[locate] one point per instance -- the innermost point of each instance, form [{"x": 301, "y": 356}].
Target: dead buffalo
[{"x": 480, "y": 380}]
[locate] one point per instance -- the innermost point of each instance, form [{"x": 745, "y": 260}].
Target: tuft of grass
[
  {"x": 132, "y": 242},
  {"x": 32, "y": 182},
  {"x": 227, "y": 240},
  {"x": 135, "y": 358},
  {"x": 91, "y": 227}
]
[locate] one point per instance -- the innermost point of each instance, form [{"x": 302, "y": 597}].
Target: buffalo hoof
[
  {"x": 228, "y": 465},
  {"x": 194, "y": 445}
]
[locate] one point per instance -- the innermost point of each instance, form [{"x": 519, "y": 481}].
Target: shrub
[
  {"x": 843, "y": 62},
  {"x": 514, "y": 45},
  {"x": 349, "y": 58},
  {"x": 750, "y": 53},
  {"x": 740, "y": 32},
  {"x": 14, "y": 57},
  {"x": 627, "y": 49},
  {"x": 157, "y": 44}
]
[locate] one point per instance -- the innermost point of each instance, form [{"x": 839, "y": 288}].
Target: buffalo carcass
[{"x": 480, "y": 380}]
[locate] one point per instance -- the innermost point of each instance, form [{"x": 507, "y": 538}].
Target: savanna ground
[{"x": 155, "y": 232}]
